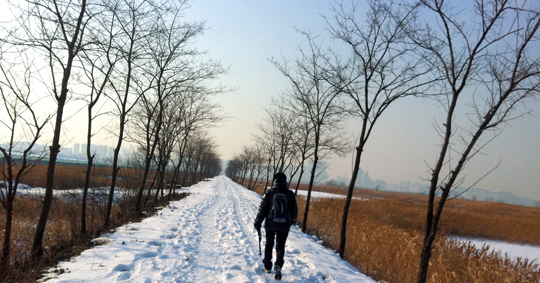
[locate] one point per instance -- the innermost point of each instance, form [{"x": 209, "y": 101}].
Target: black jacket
[{"x": 266, "y": 205}]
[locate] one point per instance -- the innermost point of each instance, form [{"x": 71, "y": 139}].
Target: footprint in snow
[
  {"x": 235, "y": 267},
  {"x": 148, "y": 255},
  {"x": 122, "y": 268},
  {"x": 295, "y": 251},
  {"x": 170, "y": 236},
  {"x": 155, "y": 243}
]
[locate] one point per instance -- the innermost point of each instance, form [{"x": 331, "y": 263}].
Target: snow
[
  {"x": 512, "y": 250},
  {"x": 73, "y": 195},
  {"x": 315, "y": 194},
  {"x": 206, "y": 237}
]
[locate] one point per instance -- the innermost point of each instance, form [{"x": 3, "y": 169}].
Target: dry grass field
[
  {"x": 384, "y": 231},
  {"x": 385, "y": 235},
  {"x": 62, "y": 237}
]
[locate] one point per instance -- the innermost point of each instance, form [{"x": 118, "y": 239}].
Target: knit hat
[{"x": 280, "y": 175}]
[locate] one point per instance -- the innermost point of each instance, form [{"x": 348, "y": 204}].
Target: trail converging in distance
[{"x": 206, "y": 237}]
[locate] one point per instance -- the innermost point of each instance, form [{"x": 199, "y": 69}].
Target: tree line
[
  {"x": 131, "y": 60},
  {"x": 477, "y": 60}
]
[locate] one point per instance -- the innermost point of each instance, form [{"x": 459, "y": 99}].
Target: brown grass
[
  {"x": 73, "y": 176},
  {"x": 62, "y": 238},
  {"x": 384, "y": 236},
  {"x": 467, "y": 218}
]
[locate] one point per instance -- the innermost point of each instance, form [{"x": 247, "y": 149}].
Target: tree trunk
[
  {"x": 85, "y": 190},
  {"x": 425, "y": 256},
  {"x": 267, "y": 177},
  {"x": 6, "y": 246},
  {"x": 115, "y": 170},
  {"x": 311, "y": 180},
  {"x": 90, "y": 159},
  {"x": 299, "y": 180},
  {"x": 343, "y": 233},
  {"x": 160, "y": 184},
  {"x": 37, "y": 245},
  {"x": 140, "y": 192},
  {"x": 150, "y": 190},
  {"x": 177, "y": 171}
]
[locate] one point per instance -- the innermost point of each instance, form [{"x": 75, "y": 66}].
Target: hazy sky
[{"x": 244, "y": 34}]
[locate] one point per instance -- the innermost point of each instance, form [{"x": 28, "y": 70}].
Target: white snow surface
[
  {"x": 511, "y": 250},
  {"x": 316, "y": 194},
  {"x": 206, "y": 237}
]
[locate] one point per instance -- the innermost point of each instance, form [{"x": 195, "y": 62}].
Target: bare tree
[
  {"x": 317, "y": 100},
  {"x": 248, "y": 155},
  {"x": 172, "y": 69},
  {"x": 490, "y": 63},
  {"x": 24, "y": 128},
  {"x": 210, "y": 163},
  {"x": 197, "y": 148},
  {"x": 380, "y": 70},
  {"x": 135, "y": 20},
  {"x": 277, "y": 133},
  {"x": 167, "y": 143},
  {"x": 184, "y": 113},
  {"x": 267, "y": 144},
  {"x": 303, "y": 147},
  {"x": 193, "y": 111},
  {"x": 233, "y": 168},
  {"x": 243, "y": 165},
  {"x": 164, "y": 48},
  {"x": 286, "y": 138},
  {"x": 98, "y": 61},
  {"x": 259, "y": 167},
  {"x": 54, "y": 30}
]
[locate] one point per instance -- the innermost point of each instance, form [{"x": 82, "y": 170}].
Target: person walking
[{"x": 279, "y": 211}]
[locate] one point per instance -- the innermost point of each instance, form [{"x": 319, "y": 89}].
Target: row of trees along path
[
  {"x": 479, "y": 54},
  {"x": 136, "y": 55}
]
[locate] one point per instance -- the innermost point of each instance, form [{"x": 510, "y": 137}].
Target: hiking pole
[{"x": 259, "y": 232}]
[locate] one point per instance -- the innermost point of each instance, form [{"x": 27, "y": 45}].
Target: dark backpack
[{"x": 280, "y": 208}]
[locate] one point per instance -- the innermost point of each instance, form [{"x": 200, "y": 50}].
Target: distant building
[
  {"x": 380, "y": 185},
  {"x": 363, "y": 180},
  {"x": 76, "y": 149},
  {"x": 83, "y": 149},
  {"x": 342, "y": 181},
  {"x": 100, "y": 151},
  {"x": 359, "y": 179},
  {"x": 321, "y": 175}
]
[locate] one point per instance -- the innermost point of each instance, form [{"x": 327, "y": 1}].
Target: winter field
[
  {"x": 514, "y": 251},
  {"x": 206, "y": 237},
  {"x": 315, "y": 194}
]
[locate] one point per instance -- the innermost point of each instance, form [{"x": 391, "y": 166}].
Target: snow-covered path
[{"x": 206, "y": 237}]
